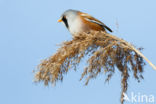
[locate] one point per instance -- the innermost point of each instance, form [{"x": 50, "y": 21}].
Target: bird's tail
[{"x": 107, "y": 28}]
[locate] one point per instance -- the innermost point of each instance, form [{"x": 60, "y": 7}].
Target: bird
[{"x": 78, "y": 22}]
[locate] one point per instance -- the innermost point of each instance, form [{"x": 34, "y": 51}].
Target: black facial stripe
[{"x": 65, "y": 21}]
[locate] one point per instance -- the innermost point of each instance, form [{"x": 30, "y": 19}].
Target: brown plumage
[{"x": 79, "y": 22}]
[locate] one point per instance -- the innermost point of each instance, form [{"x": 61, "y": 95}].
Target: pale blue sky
[{"x": 29, "y": 32}]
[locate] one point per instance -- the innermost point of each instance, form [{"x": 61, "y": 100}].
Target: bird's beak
[{"x": 60, "y": 20}]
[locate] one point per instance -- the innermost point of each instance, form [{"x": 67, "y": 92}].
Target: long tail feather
[{"x": 107, "y": 28}]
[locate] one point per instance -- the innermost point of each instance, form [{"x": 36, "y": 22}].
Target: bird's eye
[
  {"x": 64, "y": 18},
  {"x": 65, "y": 21}
]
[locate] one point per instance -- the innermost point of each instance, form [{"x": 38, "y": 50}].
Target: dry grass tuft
[{"x": 105, "y": 54}]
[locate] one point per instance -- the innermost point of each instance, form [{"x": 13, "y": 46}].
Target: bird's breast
[{"x": 76, "y": 26}]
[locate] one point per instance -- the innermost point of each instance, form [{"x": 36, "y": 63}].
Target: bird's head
[{"x": 68, "y": 17}]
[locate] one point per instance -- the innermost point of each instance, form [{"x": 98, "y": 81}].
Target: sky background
[{"x": 29, "y": 33}]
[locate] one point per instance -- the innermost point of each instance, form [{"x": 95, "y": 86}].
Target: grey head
[{"x": 68, "y": 16}]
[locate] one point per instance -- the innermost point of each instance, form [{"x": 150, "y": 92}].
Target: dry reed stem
[{"x": 105, "y": 53}]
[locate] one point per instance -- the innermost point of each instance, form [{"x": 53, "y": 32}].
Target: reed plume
[{"x": 105, "y": 53}]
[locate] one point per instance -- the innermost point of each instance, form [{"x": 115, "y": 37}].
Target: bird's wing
[{"x": 94, "y": 20}]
